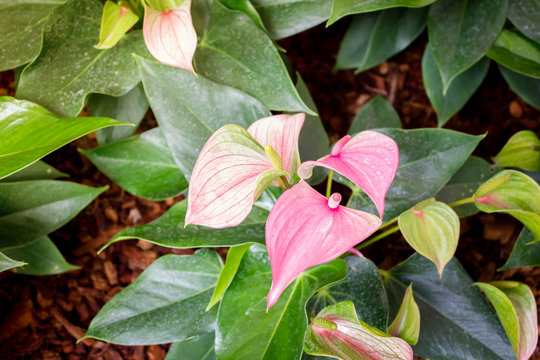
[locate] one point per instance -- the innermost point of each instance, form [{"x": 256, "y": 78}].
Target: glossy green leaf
[
  {"x": 516, "y": 52},
  {"x": 246, "y": 331},
  {"x": 21, "y": 25},
  {"x": 115, "y": 22},
  {"x": 375, "y": 37},
  {"x": 257, "y": 69},
  {"x": 286, "y": 18},
  {"x": 247, "y": 8},
  {"x": 69, "y": 67},
  {"x": 341, "y": 8},
  {"x": 514, "y": 193},
  {"x": 36, "y": 171},
  {"x": 464, "y": 183},
  {"x": 142, "y": 165},
  {"x": 31, "y": 209},
  {"x": 22, "y": 125},
  {"x": 6, "y": 263},
  {"x": 363, "y": 286},
  {"x": 234, "y": 257},
  {"x": 524, "y": 14},
  {"x": 456, "y": 320},
  {"x": 129, "y": 108},
  {"x": 376, "y": 113},
  {"x": 169, "y": 231},
  {"x": 195, "y": 348},
  {"x": 434, "y": 154},
  {"x": 459, "y": 91},
  {"x": 432, "y": 229},
  {"x": 189, "y": 109},
  {"x": 526, "y": 87},
  {"x": 406, "y": 324},
  {"x": 166, "y": 303},
  {"x": 522, "y": 151},
  {"x": 524, "y": 253},
  {"x": 42, "y": 258},
  {"x": 461, "y": 32}
]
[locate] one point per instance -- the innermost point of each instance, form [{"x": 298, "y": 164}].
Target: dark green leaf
[
  {"x": 524, "y": 253},
  {"x": 36, "y": 171},
  {"x": 165, "y": 304},
  {"x": 69, "y": 67},
  {"x": 195, "y": 348},
  {"x": 22, "y": 128},
  {"x": 42, "y": 257},
  {"x": 190, "y": 108},
  {"x": 6, "y": 263},
  {"x": 31, "y": 209},
  {"x": 247, "y": 8},
  {"x": 341, "y": 8},
  {"x": 526, "y": 87},
  {"x": 516, "y": 52},
  {"x": 246, "y": 331},
  {"x": 456, "y": 320},
  {"x": 375, "y": 37},
  {"x": 142, "y": 164},
  {"x": 375, "y": 114},
  {"x": 257, "y": 69},
  {"x": 524, "y": 14},
  {"x": 129, "y": 108},
  {"x": 461, "y": 32},
  {"x": 459, "y": 91},
  {"x": 363, "y": 286}
]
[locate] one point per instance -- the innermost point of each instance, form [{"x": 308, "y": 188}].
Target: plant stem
[
  {"x": 283, "y": 180},
  {"x": 377, "y": 238},
  {"x": 329, "y": 183},
  {"x": 389, "y": 222},
  {"x": 462, "y": 202}
]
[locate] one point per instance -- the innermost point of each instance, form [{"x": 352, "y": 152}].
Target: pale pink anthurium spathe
[
  {"x": 170, "y": 36},
  {"x": 233, "y": 169}
]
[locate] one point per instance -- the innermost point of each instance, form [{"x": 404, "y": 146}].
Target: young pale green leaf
[
  {"x": 363, "y": 286},
  {"x": 245, "y": 331},
  {"x": 456, "y": 319},
  {"x": 116, "y": 20},
  {"x": 461, "y": 32},
  {"x": 337, "y": 332},
  {"x": 195, "y": 348},
  {"x": 69, "y": 67},
  {"x": 522, "y": 151},
  {"x": 432, "y": 229},
  {"x": 524, "y": 253},
  {"x": 406, "y": 324},
  {"x": 190, "y": 108},
  {"x": 31, "y": 209},
  {"x": 21, "y": 25},
  {"x": 234, "y": 257},
  {"x": 257, "y": 70},
  {"x": 129, "y": 108},
  {"x": 514, "y": 193},
  {"x": 459, "y": 91},
  {"x": 7, "y": 263},
  {"x": 42, "y": 257},
  {"x": 376, "y": 113},
  {"x": 142, "y": 165},
  {"x": 22, "y": 125},
  {"x": 524, "y": 14},
  {"x": 166, "y": 303},
  {"x": 169, "y": 231},
  {"x": 526, "y": 87},
  {"x": 374, "y": 37},
  {"x": 341, "y": 8},
  {"x": 516, "y": 52},
  {"x": 36, "y": 171}
]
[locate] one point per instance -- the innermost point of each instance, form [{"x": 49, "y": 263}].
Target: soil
[{"x": 42, "y": 317}]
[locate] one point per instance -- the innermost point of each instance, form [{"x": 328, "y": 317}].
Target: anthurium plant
[{"x": 238, "y": 136}]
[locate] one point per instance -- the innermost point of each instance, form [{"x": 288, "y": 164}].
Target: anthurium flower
[
  {"x": 235, "y": 166},
  {"x": 170, "y": 35},
  {"x": 369, "y": 159},
  {"x": 305, "y": 229}
]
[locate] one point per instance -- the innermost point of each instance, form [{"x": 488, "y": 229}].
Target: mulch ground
[{"x": 42, "y": 317}]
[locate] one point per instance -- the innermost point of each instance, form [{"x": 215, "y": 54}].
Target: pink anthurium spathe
[
  {"x": 305, "y": 229},
  {"x": 369, "y": 159},
  {"x": 170, "y": 36},
  {"x": 234, "y": 167}
]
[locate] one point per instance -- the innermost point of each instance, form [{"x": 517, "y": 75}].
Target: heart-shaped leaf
[
  {"x": 524, "y": 253},
  {"x": 522, "y": 151},
  {"x": 165, "y": 304},
  {"x": 526, "y": 87},
  {"x": 195, "y": 348},
  {"x": 524, "y": 14},
  {"x": 375, "y": 114},
  {"x": 7, "y": 263},
  {"x": 406, "y": 324},
  {"x": 36, "y": 171}
]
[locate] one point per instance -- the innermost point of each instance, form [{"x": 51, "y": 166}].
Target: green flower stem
[
  {"x": 283, "y": 180},
  {"x": 462, "y": 202},
  {"x": 377, "y": 238},
  {"x": 329, "y": 184},
  {"x": 394, "y": 220}
]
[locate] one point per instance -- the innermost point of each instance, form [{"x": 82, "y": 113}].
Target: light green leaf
[
  {"x": 526, "y": 87},
  {"x": 164, "y": 304},
  {"x": 522, "y": 151},
  {"x": 42, "y": 258},
  {"x": 6, "y": 263},
  {"x": 115, "y": 22},
  {"x": 31, "y": 209},
  {"x": 406, "y": 324},
  {"x": 524, "y": 253},
  {"x": 36, "y": 171},
  {"x": 257, "y": 69},
  {"x": 516, "y": 52},
  {"x": 69, "y": 67},
  {"x": 142, "y": 165},
  {"x": 195, "y": 348},
  {"x": 375, "y": 114},
  {"x": 22, "y": 125},
  {"x": 524, "y": 14},
  {"x": 461, "y": 32},
  {"x": 340, "y": 8},
  {"x": 458, "y": 93}
]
